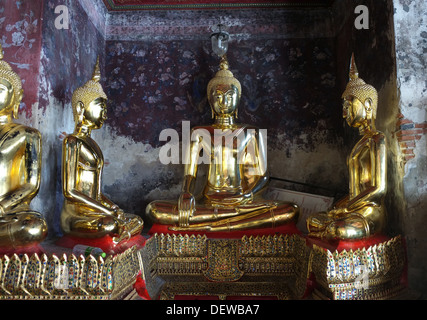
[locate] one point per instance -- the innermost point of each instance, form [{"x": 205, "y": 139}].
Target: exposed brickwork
[{"x": 408, "y": 133}]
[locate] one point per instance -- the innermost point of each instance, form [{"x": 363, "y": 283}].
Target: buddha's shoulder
[
  {"x": 16, "y": 129},
  {"x": 249, "y": 127},
  {"x": 77, "y": 141},
  {"x": 32, "y": 131},
  {"x": 72, "y": 139}
]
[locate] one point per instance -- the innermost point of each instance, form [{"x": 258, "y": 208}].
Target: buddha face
[
  {"x": 224, "y": 99},
  {"x": 95, "y": 113},
  {"x": 355, "y": 112},
  {"x": 6, "y": 96}
]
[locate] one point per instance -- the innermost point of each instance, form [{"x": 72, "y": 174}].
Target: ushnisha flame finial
[
  {"x": 96, "y": 75},
  {"x": 223, "y": 63},
  {"x": 354, "y": 73}
]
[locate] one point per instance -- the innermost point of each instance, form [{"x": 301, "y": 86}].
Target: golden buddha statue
[
  {"x": 232, "y": 196},
  {"x": 20, "y": 174},
  {"x": 362, "y": 213},
  {"x": 86, "y": 211}
]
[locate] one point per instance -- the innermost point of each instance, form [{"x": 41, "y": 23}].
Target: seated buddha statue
[
  {"x": 20, "y": 174},
  {"x": 231, "y": 199},
  {"x": 86, "y": 211},
  {"x": 361, "y": 213}
]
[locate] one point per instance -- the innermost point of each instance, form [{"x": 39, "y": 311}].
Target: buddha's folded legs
[
  {"x": 133, "y": 225},
  {"x": 266, "y": 214},
  {"x": 76, "y": 222},
  {"x": 354, "y": 225},
  {"x": 22, "y": 229},
  {"x": 318, "y": 222},
  {"x": 90, "y": 225}
]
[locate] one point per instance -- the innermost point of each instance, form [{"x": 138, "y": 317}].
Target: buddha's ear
[
  {"x": 80, "y": 109},
  {"x": 368, "y": 105},
  {"x": 18, "y": 99}
]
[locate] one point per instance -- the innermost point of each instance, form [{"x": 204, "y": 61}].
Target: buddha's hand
[{"x": 186, "y": 208}]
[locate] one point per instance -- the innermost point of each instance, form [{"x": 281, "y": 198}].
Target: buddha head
[
  {"x": 360, "y": 99},
  {"x": 11, "y": 91},
  {"x": 224, "y": 91},
  {"x": 89, "y": 102}
]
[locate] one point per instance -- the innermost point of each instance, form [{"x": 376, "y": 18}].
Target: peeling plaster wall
[{"x": 411, "y": 55}]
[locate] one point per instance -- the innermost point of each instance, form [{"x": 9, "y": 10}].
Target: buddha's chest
[
  {"x": 14, "y": 158},
  {"x": 90, "y": 156},
  {"x": 361, "y": 164}
]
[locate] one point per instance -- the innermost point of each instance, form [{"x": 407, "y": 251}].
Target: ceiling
[{"x": 136, "y": 5}]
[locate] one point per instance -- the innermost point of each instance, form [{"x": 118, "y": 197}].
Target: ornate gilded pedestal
[
  {"x": 181, "y": 265},
  {"x": 366, "y": 273},
  {"x": 67, "y": 277},
  {"x": 280, "y": 266}
]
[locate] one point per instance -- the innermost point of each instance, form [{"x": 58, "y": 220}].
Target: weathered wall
[{"x": 411, "y": 57}]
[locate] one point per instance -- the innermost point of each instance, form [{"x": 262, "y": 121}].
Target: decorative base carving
[
  {"x": 276, "y": 266},
  {"x": 179, "y": 264},
  {"x": 372, "y": 273},
  {"x": 182, "y": 266},
  {"x": 67, "y": 277}
]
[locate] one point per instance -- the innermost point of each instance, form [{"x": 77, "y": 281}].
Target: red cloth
[
  {"x": 140, "y": 288},
  {"x": 289, "y": 228},
  {"x": 105, "y": 243},
  {"x": 29, "y": 250},
  {"x": 340, "y": 245}
]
